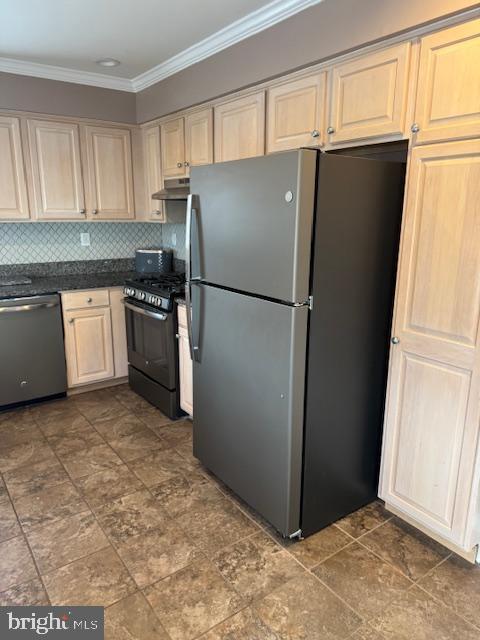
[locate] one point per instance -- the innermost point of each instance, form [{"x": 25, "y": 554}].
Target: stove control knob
[{"x": 142, "y": 295}]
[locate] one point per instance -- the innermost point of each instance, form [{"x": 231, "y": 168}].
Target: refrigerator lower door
[{"x": 249, "y": 376}]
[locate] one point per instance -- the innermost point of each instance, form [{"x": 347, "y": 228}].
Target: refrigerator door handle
[{"x": 192, "y": 204}]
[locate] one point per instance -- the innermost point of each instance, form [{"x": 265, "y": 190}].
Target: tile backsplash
[{"x": 60, "y": 241}]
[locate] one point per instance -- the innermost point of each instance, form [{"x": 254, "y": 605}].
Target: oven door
[{"x": 151, "y": 342}]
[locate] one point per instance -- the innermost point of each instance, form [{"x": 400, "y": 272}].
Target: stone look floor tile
[
  {"x": 175, "y": 433},
  {"x": 58, "y": 425},
  {"x": 304, "y": 609},
  {"x": 256, "y": 566},
  {"x": 63, "y": 541},
  {"x": 16, "y": 417},
  {"x": 131, "y": 515},
  {"x": 74, "y": 439},
  {"x": 160, "y": 466},
  {"x": 96, "y": 406},
  {"x": 105, "y": 486},
  {"x": 113, "y": 428},
  {"x": 9, "y": 527},
  {"x": 363, "y": 580},
  {"x": 88, "y": 461},
  {"x": 16, "y": 563},
  {"x": 244, "y": 625},
  {"x": 152, "y": 417},
  {"x": 416, "y": 614},
  {"x": 183, "y": 493},
  {"x": 151, "y": 556},
  {"x": 35, "y": 477},
  {"x": 216, "y": 525},
  {"x": 317, "y": 547},
  {"x": 456, "y": 582},
  {"x": 366, "y": 633},
  {"x": 58, "y": 411},
  {"x": 3, "y": 492},
  {"x": 100, "y": 579},
  {"x": 20, "y": 433},
  {"x": 137, "y": 444},
  {"x": 49, "y": 505},
  {"x": 133, "y": 619},
  {"x": 186, "y": 451},
  {"x": 365, "y": 519},
  {"x": 24, "y": 454},
  {"x": 193, "y": 600},
  {"x": 409, "y": 550},
  {"x": 31, "y": 594}
]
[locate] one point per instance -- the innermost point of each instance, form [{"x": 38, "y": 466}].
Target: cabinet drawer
[
  {"x": 85, "y": 299},
  {"x": 182, "y": 316}
]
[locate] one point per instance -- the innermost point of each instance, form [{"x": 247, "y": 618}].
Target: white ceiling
[{"x": 62, "y": 39}]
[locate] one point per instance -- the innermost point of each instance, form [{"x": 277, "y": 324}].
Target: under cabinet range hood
[{"x": 173, "y": 189}]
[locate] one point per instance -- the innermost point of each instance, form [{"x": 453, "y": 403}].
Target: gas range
[{"x": 156, "y": 290}]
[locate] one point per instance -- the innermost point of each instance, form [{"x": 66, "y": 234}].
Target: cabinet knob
[
  {"x": 94, "y": 212},
  {"x": 315, "y": 133},
  {"x": 415, "y": 128},
  {"x": 179, "y": 164},
  {"x": 71, "y": 321},
  {"x": 82, "y": 211},
  {"x": 330, "y": 130},
  {"x": 186, "y": 164},
  {"x": 395, "y": 340},
  {"x": 89, "y": 299},
  {"x": 157, "y": 212}
]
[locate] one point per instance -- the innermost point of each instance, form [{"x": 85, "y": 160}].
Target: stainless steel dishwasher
[{"x": 32, "y": 354}]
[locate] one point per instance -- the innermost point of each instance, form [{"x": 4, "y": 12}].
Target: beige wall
[
  {"x": 327, "y": 29},
  {"x": 65, "y": 98}
]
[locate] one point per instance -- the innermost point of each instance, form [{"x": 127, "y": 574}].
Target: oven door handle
[{"x": 145, "y": 312}]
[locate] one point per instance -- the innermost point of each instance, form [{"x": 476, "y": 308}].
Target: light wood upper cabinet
[
  {"x": 369, "y": 96},
  {"x": 296, "y": 113},
  {"x": 433, "y": 413},
  {"x": 153, "y": 172},
  {"x": 58, "y": 190},
  {"x": 239, "y": 128},
  {"x": 173, "y": 148},
  {"x": 199, "y": 137},
  {"x": 448, "y": 96},
  {"x": 13, "y": 187},
  {"x": 109, "y": 174}
]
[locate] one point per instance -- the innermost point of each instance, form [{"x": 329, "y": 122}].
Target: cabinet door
[
  {"x": 186, "y": 372},
  {"x": 119, "y": 333},
  {"x": 88, "y": 345},
  {"x": 153, "y": 172},
  {"x": 369, "y": 95},
  {"x": 109, "y": 168},
  {"x": 173, "y": 148},
  {"x": 56, "y": 169},
  {"x": 13, "y": 187},
  {"x": 432, "y": 412},
  {"x": 448, "y": 97},
  {"x": 199, "y": 138},
  {"x": 240, "y": 128},
  {"x": 296, "y": 114}
]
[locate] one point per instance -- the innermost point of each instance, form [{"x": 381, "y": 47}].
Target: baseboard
[{"x": 103, "y": 384}]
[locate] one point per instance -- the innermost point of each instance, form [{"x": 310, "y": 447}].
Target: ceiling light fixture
[{"x": 108, "y": 62}]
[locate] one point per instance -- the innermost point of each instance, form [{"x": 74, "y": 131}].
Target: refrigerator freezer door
[
  {"x": 249, "y": 380},
  {"x": 253, "y": 226}
]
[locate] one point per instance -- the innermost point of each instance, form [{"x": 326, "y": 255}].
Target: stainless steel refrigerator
[{"x": 291, "y": 269}]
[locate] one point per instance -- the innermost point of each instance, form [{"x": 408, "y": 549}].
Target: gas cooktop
[{"x": 157, "y": 290}]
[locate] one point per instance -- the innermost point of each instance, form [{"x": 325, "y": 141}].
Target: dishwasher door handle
[{"x": 28, "y": 307}]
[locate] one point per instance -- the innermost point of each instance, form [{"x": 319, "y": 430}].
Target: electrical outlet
[
  {"x": 85, "y": 239},
  {"x": 174, "y": 239}
]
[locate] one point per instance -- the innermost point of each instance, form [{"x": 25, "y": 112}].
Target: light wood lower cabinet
[
  {"x": 95, "y": 336},
  {"x": 433, "y": 411},
  {"x": 55, "y": 160},
  {"x": 185, "y": 362},
  {"x": 369, "y": 96},
  {"x": 239, "y": 128},
  {"x": 448, "y": 97},
  {"x": 13, "y": 188}
]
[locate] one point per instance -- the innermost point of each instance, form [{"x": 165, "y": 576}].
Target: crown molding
[
  {"x": 63, "y": 74},
  {"x": 247, "y": 26}
]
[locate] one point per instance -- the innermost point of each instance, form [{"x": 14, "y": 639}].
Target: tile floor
[{"x": 102, "y": 502}]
